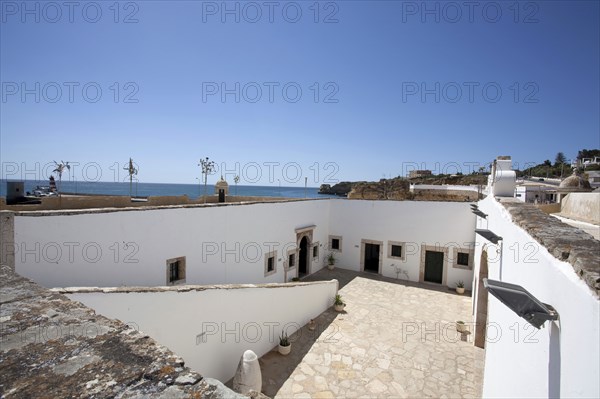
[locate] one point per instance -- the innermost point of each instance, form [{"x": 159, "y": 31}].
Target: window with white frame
[{"x": 315, "y": 250}]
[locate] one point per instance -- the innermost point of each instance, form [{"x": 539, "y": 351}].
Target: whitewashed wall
[
  {"x": 560, "y": 360},
  {"x": 417, "y": 223},
  {"x": 232, "y": 319},
  {"x": 227, "y": 244},
  {"x": 222, "y": 244}
]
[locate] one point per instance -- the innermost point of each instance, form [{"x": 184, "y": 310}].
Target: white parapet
[{"x": 210, "y": 327}]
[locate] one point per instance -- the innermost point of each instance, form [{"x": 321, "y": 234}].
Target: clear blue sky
[{"x": 373, "y": 57}]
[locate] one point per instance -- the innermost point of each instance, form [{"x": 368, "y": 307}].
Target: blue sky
[{"x": 386, "y": 86}]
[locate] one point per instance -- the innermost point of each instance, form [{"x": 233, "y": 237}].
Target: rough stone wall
[
  {"x": 7, "y": 239},
  {"x": 57, "y": 348},
  {"x": 564, "y": 242}
]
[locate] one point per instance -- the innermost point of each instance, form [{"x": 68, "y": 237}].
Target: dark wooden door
[
  {"x": 303, "y": 257},
  {"x": 372, "y": 257},
  {"x": 434, "y": 266}
]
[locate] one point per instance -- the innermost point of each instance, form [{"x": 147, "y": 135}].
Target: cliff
[{"x": 398, "y": 188}]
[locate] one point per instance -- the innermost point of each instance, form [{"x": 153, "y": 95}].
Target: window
[
  {"x": 176, "y": 271},
  {"x": 292, "y": 261},
  {"x": 396, "y": 250},
  {"x": 270, "y": 263},
  {"x": 462, "y": 258},
  {"x": 335, "y": 243},
  {"x": 316, "y": 250}
]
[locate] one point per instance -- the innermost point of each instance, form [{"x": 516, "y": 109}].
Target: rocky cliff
[{"x": 398, "y": 188}]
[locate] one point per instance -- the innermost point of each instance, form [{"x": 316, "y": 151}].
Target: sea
[{"x": 161, "y": 189}]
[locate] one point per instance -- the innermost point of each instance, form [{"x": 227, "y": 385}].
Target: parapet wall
[
  {"x": 57, "y": 348},
  {"x": 212, "y": 326},
  {"x": 82, "y": 201},
  {"x": 560, "y": 266},
  {"x": 584, "y": 207}
]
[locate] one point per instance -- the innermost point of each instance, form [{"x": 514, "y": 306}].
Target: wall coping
[
  {"x": 566, "y": 243},
  {"x": 70, "y": 212},
  {"x": 184, "y": 288}
]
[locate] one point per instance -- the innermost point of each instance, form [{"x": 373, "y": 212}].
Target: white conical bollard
[{"x": 248, "y": 376}]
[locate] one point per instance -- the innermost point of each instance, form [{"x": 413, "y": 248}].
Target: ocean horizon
[{"x": 166, "y": 189}]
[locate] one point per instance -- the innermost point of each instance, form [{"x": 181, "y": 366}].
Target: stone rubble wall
[{"x": 54, "y": 347}]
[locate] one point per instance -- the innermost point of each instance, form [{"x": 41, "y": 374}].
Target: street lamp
[{"x": 207, "y": 168}]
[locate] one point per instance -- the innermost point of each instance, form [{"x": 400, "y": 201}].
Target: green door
[{"x": 434, "y": 267}]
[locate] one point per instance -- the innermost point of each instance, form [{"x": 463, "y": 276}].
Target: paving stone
[{"x": 396, "y": 339}]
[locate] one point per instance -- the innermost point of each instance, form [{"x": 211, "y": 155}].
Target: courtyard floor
[{"x": 395, "y": 339}]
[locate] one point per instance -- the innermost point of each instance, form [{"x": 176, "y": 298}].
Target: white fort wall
[
  {"x": 561, "y": 359},
  {"x": 228, "y": 244},
  {"x": 211, "y": 327},
  {"x": 222, "y": 244},
  {"x": 441, "y": 226}
]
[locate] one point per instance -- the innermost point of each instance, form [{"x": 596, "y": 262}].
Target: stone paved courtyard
[{"x": 395, "y": 339}]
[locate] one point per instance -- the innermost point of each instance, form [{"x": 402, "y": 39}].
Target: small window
[
  {"x": 335, "y": 243},
  {"x": 463, "y": 259},
  {"x": 176, "y": 271},
  {"x": 316, "y": 251},
  {"x": 396, "y": 250},
  {"x": 292, "y": 261},
  {"x": 270, "y": 263}
]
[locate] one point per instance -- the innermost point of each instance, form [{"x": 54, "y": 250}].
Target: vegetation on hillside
[{"x": 561, "y": 167}]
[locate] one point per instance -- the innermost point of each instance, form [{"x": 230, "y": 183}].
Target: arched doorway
[
  {"x": 303, "y": 257},
  {"x": 482, "y": 302}
]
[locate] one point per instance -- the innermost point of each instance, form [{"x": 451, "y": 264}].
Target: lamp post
[
  {"x": 131, "y": 171},
  {"x": 305, "y": 184},
  {"x": 60, "y": 168},
  {"x": 207, "y": 168}
]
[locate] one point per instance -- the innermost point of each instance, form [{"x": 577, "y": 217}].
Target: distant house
[
  {"x": 419, "y": 173},
  {"x": 594, "y": 178},
  {"x": 536, "y": 193}
]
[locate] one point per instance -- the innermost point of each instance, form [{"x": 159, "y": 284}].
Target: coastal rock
[{"x": 342, "y": 189}]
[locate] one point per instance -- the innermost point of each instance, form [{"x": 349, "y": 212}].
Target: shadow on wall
[{"x": 346, "y": 276}]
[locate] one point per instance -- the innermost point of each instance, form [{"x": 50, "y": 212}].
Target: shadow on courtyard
[
  {"x": 276, "y": 368},
  {"x": 344, "y": 277}
]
